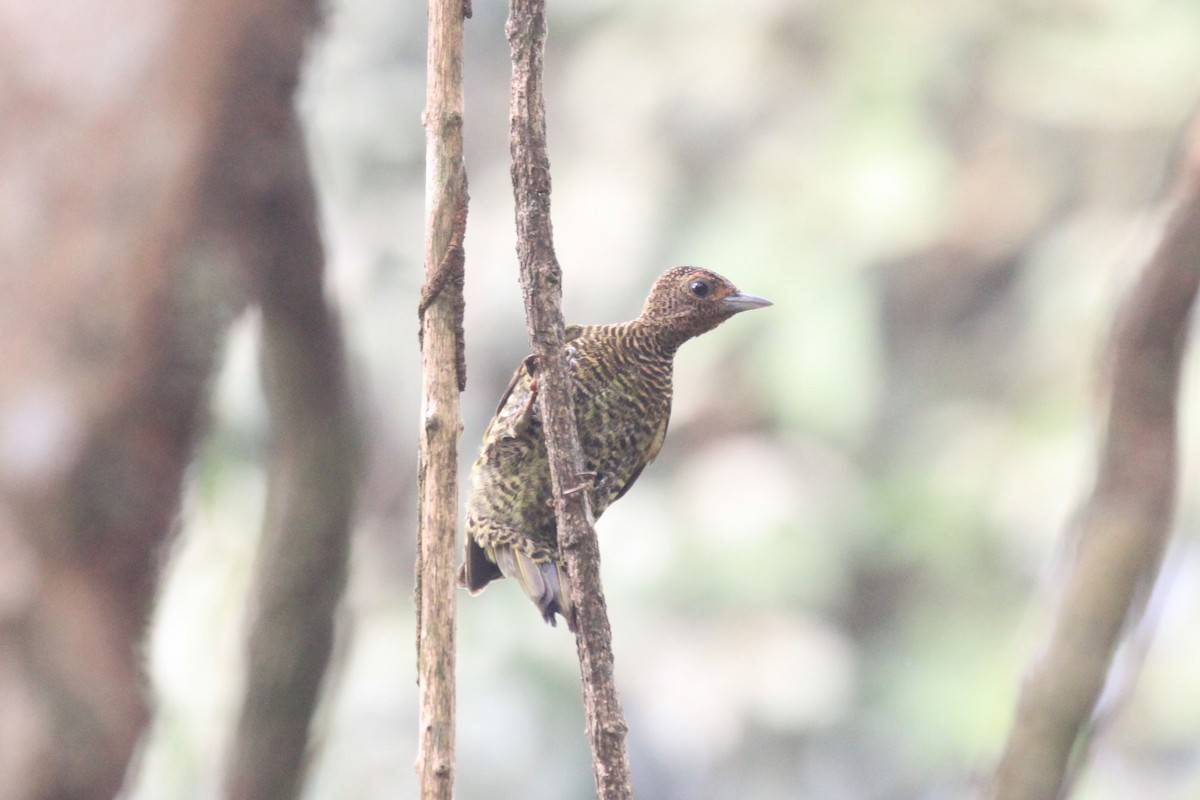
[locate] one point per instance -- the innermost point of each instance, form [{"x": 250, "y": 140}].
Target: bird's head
[{"x": 690, "y": 301}]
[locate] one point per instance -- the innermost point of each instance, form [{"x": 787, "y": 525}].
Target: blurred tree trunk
[
  {"x": 1126, "y": 523},
  {"x": 117, "y": 240},
  {"x": 541, "y": 287},
  {"x": 260, "y": 192},
  {"x": 108, "y": 331}
]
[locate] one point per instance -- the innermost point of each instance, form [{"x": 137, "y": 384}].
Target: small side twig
[{"x": 541, "y": 287}]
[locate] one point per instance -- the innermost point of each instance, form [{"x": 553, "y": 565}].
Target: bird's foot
[
  {"x": 529, "y": 410},
  {"x": 586, "y": 477}
]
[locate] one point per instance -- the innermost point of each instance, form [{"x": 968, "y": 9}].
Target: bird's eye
[{"x": 699, "y": 288}]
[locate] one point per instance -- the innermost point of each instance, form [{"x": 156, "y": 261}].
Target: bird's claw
[{"x": 587, "y": 478}]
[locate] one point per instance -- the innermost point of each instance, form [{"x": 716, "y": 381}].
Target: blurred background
[{"x": 830, "y": 581}]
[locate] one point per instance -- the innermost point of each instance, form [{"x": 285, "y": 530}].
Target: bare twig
[
  {"x": 541, "y": 285},
  {"x": 1126, "y": 522},
  {"x": 443, "y": 370}
]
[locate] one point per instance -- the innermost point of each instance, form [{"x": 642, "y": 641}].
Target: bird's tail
[
  {"x": 477, "y": 569},
  {"x": 545, "y": 582}
]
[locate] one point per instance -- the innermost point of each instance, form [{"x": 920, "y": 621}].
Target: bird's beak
[{"x": 744, "y": 302}]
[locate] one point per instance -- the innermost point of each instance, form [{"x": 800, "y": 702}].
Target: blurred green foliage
[{"x": 830, "y": 581}]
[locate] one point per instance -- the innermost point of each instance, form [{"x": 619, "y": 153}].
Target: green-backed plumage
[{"x": 621, "y": 385}]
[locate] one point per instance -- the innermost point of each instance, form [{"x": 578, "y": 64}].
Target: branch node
[{"x": 450, "y": 271}]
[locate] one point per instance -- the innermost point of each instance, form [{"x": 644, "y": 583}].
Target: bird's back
[{"x": 622, "y": 392}]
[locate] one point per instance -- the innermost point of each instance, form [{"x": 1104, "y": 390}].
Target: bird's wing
[
  {"x": 521, "y": 372},
  {"x": 509, "y": 419},
  {"x": 522, "y": 389}
]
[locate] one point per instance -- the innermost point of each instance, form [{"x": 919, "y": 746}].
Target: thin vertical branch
[
  {"x": 1126, "y": 522},
  {"x": 443, "y": 371},
  {"x": 541, "y": 287}
]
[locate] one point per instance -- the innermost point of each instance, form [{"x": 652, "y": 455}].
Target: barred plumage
[{"x": 621, "y": 385}]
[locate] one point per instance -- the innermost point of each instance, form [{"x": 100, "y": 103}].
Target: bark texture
[
  {"x": 443, "y": 371},
  {"x": 1126, "y": 522},
  {"x": 541, "y": 288}
]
